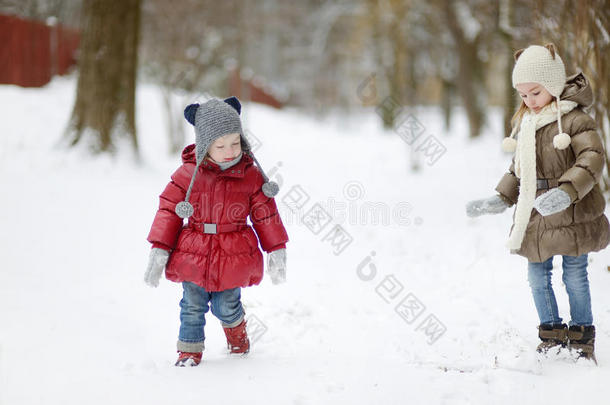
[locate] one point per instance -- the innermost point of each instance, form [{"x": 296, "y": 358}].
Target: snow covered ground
[{"x": 414, "y": 303}]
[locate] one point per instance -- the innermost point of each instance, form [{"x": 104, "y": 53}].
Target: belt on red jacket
[{"x": 216, "y": 228}]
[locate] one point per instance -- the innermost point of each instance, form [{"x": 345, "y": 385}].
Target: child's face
[
  {"x": 225, "y": 148},
  {"x": 534, "y": 95}
]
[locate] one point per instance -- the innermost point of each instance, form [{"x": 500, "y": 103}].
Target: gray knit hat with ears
[{"x": 212, "y": 120}]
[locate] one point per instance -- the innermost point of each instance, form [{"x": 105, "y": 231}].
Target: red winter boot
[
  {"x": 237, "y": 338},
  {"x": 188, "y": 359}
]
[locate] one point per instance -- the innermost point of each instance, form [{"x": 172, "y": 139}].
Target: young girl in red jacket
[{"x": 216, "y": 252}]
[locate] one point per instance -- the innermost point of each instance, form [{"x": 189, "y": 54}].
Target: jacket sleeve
[
  {"x": 266, "y": 218},
  {"x": 167, "y": 225},
  {"x": 508, "y": 187},
  {"x": 590, "y": 156}
]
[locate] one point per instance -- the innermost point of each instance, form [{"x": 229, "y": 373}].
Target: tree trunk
[
  {"x": 174, "y": 120},
  {"x": 448, "y": 90},
  {"x": 583, "y": 45},
  {"x": 470, "y": 70},
  {"x": 105, "y": 96}
]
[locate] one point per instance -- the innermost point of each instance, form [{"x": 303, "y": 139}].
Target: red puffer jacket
[{"x": 230, "y": 258}]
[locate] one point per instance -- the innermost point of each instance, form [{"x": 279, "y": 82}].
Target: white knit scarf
[{"x": 525, "y": 165}]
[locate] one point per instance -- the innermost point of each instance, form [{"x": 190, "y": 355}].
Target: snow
[{"x": 78, "y": 324}]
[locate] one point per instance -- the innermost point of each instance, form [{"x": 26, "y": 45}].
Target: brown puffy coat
[{"x": 582, "y": 227}]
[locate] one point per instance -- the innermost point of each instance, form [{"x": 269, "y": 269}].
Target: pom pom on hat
[
  {"x": 184, "y": 209},
  {"x": 270, "y": 189},
  {"x": 190, "y": 111},
  {"x": 509, "y": 145},
  {"x": 561, "y": 141}
]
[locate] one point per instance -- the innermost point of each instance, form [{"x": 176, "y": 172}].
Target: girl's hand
[
  {"x": 156, "y": 266},
  {"x": 491, "y": 205},
  {"x": 552, "y": 202},
  {"x": 276, "y": 266}
]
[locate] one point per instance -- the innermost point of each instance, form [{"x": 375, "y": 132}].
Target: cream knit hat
[
  {"x": 538, "y": 64},
  {"x": 542, "y": 65}
]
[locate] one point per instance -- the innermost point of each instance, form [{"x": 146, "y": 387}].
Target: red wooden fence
[
  {"x": 248, "y": 90},
  {"x": 31, "y": 52}
]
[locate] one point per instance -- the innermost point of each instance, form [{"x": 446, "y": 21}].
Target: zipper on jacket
[
  {"x": 212, "y": 239},
  {"x": 539, "y": 236}
]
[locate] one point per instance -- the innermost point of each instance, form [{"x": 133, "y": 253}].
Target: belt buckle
[
  {"x": 209, "y": 228},
  {"x": 543, "y": 184}
]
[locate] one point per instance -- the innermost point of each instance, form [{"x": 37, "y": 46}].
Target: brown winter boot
[
  {"x": 582, "y": 339},
  {"x": 555, "y": 335},
  {"x": 237, "y": 338}
]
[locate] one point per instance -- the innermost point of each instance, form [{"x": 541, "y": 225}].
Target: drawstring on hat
[
  {"x": 561, "y": 140},
  {"x": 509, "y": 144},
  {"x": 184, "y": 209},
  {"x": 212, "y": 120},
  {"x": 270, "y": 188}
]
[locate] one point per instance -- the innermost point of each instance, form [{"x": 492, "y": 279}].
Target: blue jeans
[
  {"x": 577, "y": 285},
  {"x": 226, "y": 306}
]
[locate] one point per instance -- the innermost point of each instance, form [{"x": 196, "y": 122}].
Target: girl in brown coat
[{"x": 553, "y": 180}]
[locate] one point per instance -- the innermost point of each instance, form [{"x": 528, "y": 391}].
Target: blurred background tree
[
  {"x": 66, "y": 11},
  {"x": 107, "y": 64},
  {"x": 581, "y": 29},
  {"x": 314, "y": 55}
]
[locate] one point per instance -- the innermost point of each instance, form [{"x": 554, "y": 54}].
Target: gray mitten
[
  {"x": 156, "y": 265},
  {"x": 491, "y": 205},
  {"x": 552, "y": 202},
  {"x": 276, "y": 266}
]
